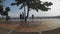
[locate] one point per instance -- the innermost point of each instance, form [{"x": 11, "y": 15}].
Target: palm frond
[
  {"x": 13, "y": 4},
  {"x": 21, "y": 6},
  {"x": 47, "y": 3},
  {"x": 7, "y": 9}
]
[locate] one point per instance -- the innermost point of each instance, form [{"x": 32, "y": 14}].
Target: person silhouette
[
  {"x": 32, "y": 16},
  {"x": 20, "y": 16},
  {"x": 7, "y": 18}
]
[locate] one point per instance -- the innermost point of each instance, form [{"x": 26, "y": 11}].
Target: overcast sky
[{"x": 15, "y": 12}]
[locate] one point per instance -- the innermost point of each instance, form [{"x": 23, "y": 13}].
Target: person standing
[
  {"x": 32, "y": 16},
  {"x": 20, "y": 16}
]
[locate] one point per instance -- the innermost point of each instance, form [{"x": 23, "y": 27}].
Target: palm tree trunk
[
  {"x": 27, "y": 14},
  {"x": 7, "y": 17},
  {"x": 24, "y": 12}
]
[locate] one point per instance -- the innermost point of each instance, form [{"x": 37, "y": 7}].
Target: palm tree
[
  {"x": 2, "y": 12},
  {"x": 5, "y": 13},
  {"x": 7, "y": 9},
  {"x": 1, "y": 6},
  {"x": 1, "y": 1},
  {"x": 32, "y": 4}
]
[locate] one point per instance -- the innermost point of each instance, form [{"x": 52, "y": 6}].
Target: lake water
[
  {"x": 23, "y": 19},
  {"x": 33, "y": 19}
]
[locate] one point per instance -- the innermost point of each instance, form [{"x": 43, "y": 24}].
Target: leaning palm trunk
[
  {"x": 27, "y": 14},
  {"x": 24, "y": 13},
  {"x": 7, "y": 17}
]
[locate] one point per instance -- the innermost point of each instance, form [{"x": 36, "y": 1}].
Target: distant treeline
[
  {"x": 37, "y": 17},
  {"x": 45, "y": 17}
]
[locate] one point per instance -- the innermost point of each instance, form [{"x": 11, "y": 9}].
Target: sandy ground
[
  {"x": 33, "y": 26},
  {"x": 23, "y": 27},
  {"x": 51, "y": 23}
]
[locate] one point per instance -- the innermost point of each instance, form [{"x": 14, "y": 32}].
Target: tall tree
[
  {"x": 33, "y": 4},
  {"x": 1, "y": 6},
  {"x": 2, "y": 12},
  {"x": 1, "y": 1}
]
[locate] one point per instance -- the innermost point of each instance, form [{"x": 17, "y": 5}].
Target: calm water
[
  {"x": 23, "y": 20},
  {"x": 34, "y": 19}
]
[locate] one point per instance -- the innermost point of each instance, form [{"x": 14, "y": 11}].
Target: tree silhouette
[
  {"x": 33, "y": 4},
  {"x": 1, "y": 1},
  {"x": 2, "y": 12}
]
